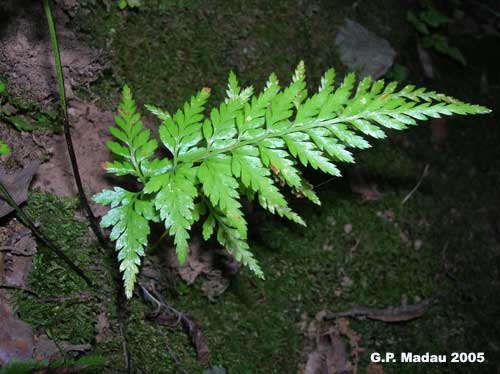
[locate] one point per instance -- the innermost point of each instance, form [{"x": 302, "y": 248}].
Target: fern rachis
[{"x": 238, "y": 148}]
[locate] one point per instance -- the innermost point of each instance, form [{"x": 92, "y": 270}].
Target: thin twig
[
  {"x": 153, "y": 247},
  {"x": 189, "y": 325},
  {"x": 26, "y": 290},
  {"x": 424, "y": 174},
  {"x": 175, "y": 359},
  {"x": 12, "y": 250},
  {"x": 67, "y": 132},
  {"x": 126, "y": 354},
  {"x": 321, "y": 184},
  {"x": 40, "y": 236}
]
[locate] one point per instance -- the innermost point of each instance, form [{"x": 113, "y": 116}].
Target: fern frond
[
  {"x": 129, "y": 218},
  {"x": 250, "y": 144},
  {"x": 135, "y": 146}
]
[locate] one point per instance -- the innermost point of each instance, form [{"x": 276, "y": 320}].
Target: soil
[
  {"x": 26, "y": 54},
  {"x": 90, "y": 133}
]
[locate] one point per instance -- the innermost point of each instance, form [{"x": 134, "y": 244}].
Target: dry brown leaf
[
  {"x": 212, "y": 266},
  {"x": 16, "y": 337},
  {"x": 17, "y": 184},
  {"x": 374, "y": 368},
  {"x": 425, "y": 61},
  {"x": 360, "y": 185},
  {"x": 396, "y": 314},
  {"x": 16, "y": 250},
  {"x": 325, "y": 348},
  {"x": 102, "y": 327},
  {"x": 330, "y": 355},
  {"x": 214, "y": 284}
]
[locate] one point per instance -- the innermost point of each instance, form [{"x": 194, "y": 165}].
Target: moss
[
  {"x": 70, "y": 320},
  {"x": 166, "y": 50}
]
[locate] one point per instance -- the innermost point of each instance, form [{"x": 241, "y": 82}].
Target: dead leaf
[
  {"x": 102, "y": 327},
  {"x": 16, "y": 337},
  {"x": 198, "y": 262},
  {"x": 330, "y": 355},
  {"x": 425, "y": 62},
  {"x": 396, "y": 314},
  {"x": 198, "y": 339},
  {"x": 325, "y": 349},
  {"x": 374, "y": 368},
  {"x": 360, "y": 185},
  {"x": 45, "y": 349},
  {"x": 213, "y": 266},
  {"x": 214, "y": 285},
  {"x": 16, "y": 254},
  {"x": 342, "y": 325},
  {"x": 17, "y": 184}
]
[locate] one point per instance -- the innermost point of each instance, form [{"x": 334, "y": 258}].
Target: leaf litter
[
  {"x": 17, "y": 339},
  {"x": 17, "y": 184},
  {"x": 329, "y": 348},
  {"x": 402, "y": 313},
  {"x": 212, "y": 267}
]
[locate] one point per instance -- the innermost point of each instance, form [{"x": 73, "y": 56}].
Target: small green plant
[
  {"x": 4, "y": 148},
  {"x": 25, "y": 116},
  {"x": 68, "y": 365},
  {"x": 428, "y": 23},
  {"x": 246, "y": 146},
  {"x": 123, "y": 4}
]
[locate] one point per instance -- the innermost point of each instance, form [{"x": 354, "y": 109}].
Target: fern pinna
[{"x": 243, "y": 147}]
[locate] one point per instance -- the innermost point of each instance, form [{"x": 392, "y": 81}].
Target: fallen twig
[
  {"x": 398, "y": 314},
  {"x": 424, "y": 174},
  {"x": 26, "y": 290},
  {"x": 174, "y": 358},
  {"x": 46, "y": 241},
  {"x": 167, "y": 315}
]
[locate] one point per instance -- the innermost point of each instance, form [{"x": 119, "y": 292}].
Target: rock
[{"x": 363, "y": 51}]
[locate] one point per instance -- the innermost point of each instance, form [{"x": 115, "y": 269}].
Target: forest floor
[{"x": 363, "y": 247}]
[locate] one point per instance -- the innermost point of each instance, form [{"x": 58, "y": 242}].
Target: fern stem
[
  {"x": 25, "y": 219},
  {"x": 295, "y": 128},
  {"x": 76, "y": 173},
  {"x": 67, "y": 132},
  {"x": 158, "y": 242}
]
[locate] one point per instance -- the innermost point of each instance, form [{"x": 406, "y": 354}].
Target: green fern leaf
[
  {"x": 129, "y": 219},
  {"x": 175, "y": 202},
  {"x": 135, "y": 146},
  {"x": 251, "y": 144}
]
